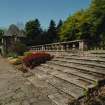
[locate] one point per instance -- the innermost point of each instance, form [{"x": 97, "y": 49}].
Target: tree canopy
[
  {"x": 33, "y": 31},
  {"x": 36, "y": 35},
  {"x": 88, "y": 24},
  {"x": 1, "y": 35}
]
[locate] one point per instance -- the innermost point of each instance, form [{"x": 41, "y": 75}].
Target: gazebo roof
[{"x": 14, "y": 31}]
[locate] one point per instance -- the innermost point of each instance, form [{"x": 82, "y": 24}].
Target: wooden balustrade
[{"x": 61, "y": 46}]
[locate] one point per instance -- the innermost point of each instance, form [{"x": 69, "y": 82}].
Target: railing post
[
  {"x": 34, "y": 48},
  {"x": 38, "y": 48},
  {"x": 57, "y": 46},
  {"x": 74, "y": 46},
  {"x": 62, "y": 47},
  {"x": 52, "y": 47},
  {"x": 47, "y": 47},
  {"x": 82, "y": 45},
  {"x": 42, "y": 47},
  {"x": 67, "y": 47}
]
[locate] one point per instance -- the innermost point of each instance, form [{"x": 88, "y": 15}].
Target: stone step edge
[
  {"x": 77, "y": 68},
  {"x": 85, "y": 79},
  {"x": 72, "y": 95},
  {"x": 51, "y": 97},
  {"x": 46, "y": 65},
  {"x": 81, "y": 63},
  {"x": 88, "y": 91},
  {"x": 78, "y": 85},
  {"x": 84, "y": 59}
]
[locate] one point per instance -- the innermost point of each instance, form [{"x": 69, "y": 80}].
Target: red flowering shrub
[{"x": 35, "y": 59}]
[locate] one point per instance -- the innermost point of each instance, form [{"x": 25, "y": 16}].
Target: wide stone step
[
  {"x": 56, "y": 96},
  {"x": 67, "y": 87},
  {"x": 62, "y": 85},
  {"x": 78, "y": 81},
  {"x": 97, "y": 51},
  {"x": 58, "y": 99},
  {"x": 76, "y": 72},
  {"x": 87, "y": 54},
  {"x": 84, "y": 59},
  {"x": 79, "y": 67},
  {"x": 97, "y": 55},
  {"x": 90, "y": 64}
]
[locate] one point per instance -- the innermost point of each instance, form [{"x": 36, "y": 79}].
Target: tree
[
  {"x": 97, "y": 11},
  {"x": 33, "y": 31},
  {"x": 52, "y": 32},
  {"x": 70, "y": 28},
  {"x": 1, "y": 35},
  {"x": 60, "y": 23},
  {"x": 44, "y": 37},
  {"x": 88, "y": 24}
]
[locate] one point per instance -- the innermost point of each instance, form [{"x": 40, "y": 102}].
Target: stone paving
[
  {"x": 15, "y": 89},
  {"x": 62, "y": 80}
]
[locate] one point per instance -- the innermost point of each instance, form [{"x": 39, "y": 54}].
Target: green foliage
[
  {"x": 85, "y": 92},
  {"x": 12, "y": 54},
  {"x": 51, "y": 35},
  {"x": 27, "y": 53},
  {"x": 33, "y": 31},
  {"x": 52, "y": 32},
  {"x": 37, "y": 36},
  {"x": 60, "y": 23},
  {"x": 76, "y": 26},
  {"x": 1, "y": 34},
  {"x": 86, "y": 24},
  {"x": 19, "y": 48}
]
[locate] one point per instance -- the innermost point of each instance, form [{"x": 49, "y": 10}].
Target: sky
[{"x": 21, "y": 11}]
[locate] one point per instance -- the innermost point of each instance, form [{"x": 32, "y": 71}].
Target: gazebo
[{"x": 12, "y": 35}]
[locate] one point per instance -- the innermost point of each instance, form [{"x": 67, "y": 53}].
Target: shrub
[
  {"x": 35, "y": 59},
  {"x": 11, "y": 54},
  {"x": 15, "y": 61},
  {"x": 19, "y": 48},
  {"x": 28, "y": 53}
]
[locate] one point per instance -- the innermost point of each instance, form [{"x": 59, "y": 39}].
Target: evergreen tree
[
  {"x": 60, "y": 23},
  {"x": 52, "y": 32},
  {"x": 88, "y": 24},
  {"x": 1, "y": 35},
  {"x": 33, "y": 31}
]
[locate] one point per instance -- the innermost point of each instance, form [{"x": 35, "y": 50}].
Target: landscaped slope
[{"x": 70, "y": 77}]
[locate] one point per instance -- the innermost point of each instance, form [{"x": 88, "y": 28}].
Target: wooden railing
[{"x": 61, "y": 46}]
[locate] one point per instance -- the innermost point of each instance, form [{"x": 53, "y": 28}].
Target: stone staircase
[{"x": 68, "y": 76}]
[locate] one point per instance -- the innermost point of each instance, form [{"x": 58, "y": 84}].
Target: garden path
[{"x": 15, "y": 89}]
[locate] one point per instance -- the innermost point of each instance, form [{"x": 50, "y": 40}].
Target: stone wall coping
[{"x": 67, "y": 42}]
